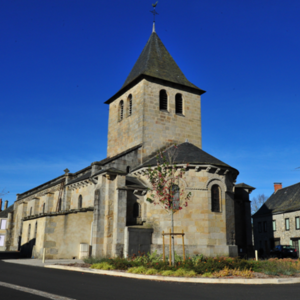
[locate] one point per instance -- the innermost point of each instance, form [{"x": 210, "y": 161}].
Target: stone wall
[
  {"x": 206, "y": 232},
  {"x": 150, "y": 126},
  {"x": 265, "y": 239}
]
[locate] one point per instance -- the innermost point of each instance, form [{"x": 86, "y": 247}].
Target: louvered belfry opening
[
  {"x": 163, "y": 100},
  {"x": 129, "y": 105},
  {"x": 178, "y": 104}
]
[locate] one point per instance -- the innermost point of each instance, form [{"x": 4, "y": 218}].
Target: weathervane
[{"x": 154, "y": 13}]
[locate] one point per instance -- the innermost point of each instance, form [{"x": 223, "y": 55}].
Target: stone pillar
[
  {"x": 66, "y": 201},
  {"x": 49, "y": 202},
  {"x": 98, "y": 220},
  {"x": 119, "y": 220}
]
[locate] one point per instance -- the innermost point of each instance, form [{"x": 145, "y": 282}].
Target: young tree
[
  {"x": 257, "y": 202},
  {"x": 167, "y": 188}
]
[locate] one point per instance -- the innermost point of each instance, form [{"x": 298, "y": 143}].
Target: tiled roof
[
  {"x": 284, "y": 200},
  {"x": 4, "y": 213}
]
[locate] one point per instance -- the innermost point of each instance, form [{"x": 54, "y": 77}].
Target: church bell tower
[{"x": 156, "y": 105}]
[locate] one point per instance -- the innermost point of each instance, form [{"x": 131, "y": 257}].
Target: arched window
[
  {"x": 215, "y": 198},
  {"x": 121, "y": 110},
  {"x": 163, "y": 100},
  {"x": 178, "y": 104},
  {"x": 30, "y": 213},
  {"x": 129, "y": 105},
  {"x": 35, "y": 230},
  {"x": 128, "y": 169},
  {"x": 136, "y": 210},
  {"x": 44, "y": 205},
  {"x": 80, "y": 201},
  {"x": 176, "y": 196},
  {"x": 59, "y": 205},
  {"x": 28, "y": 234}
]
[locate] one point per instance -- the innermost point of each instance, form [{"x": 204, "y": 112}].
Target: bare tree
[
  {"x": 257, "y": 202},
  {"x": 3, "y": 192}
]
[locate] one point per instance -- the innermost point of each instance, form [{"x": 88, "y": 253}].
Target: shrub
[
  {"x": 167, "y": 273},
  {"x": 209, "y": 274},
  {"x": 137, "y": 270},
  {"x": 151, "y": 272},
  {"x": 103, "y": 266}
]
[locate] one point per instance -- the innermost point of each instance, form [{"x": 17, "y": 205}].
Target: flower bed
[{"x": 216, "y": 267}]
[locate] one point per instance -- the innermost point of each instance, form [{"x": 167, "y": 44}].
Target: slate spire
[{"x": 156, "y": 61}]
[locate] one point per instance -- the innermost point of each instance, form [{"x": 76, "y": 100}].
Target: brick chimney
[
  {"x": 0, "y": 204},
  {"x": 5, "y": 204},
  {"x": 277, "y": 186}
]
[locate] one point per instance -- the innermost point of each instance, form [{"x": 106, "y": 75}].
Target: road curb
[{"x": 179, "y": 279}]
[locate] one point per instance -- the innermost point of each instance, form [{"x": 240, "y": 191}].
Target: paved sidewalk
[{"x": 39, "y": 262}]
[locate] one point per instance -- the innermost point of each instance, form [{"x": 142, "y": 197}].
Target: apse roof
[{"x": 187, "y": 153}]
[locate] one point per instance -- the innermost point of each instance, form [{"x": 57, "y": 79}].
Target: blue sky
[{"x": 60, "y": 60}]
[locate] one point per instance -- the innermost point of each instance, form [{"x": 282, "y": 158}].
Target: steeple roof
[{"x": 155, "y": 61}]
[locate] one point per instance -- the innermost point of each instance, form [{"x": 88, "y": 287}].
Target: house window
[
  {"x": 3, "y": 224},
  {"x": 136, "y": 210},
  {"x": 287, "y": 224},
  {"x": 265, "y": 226},
  {"x": 30, "y": 211},
  {"x": 128, "y": 169},
  {"x": 259, "y": 227},
  {"x": 215, "y": 198},
  {"x": 44, "y": 208},
  {"x": 129, "y": 105},
  {"x": 176, "y": 196},
  {"x": 178, "y": 104},
  {"x": 163, "y": 100},
  {"x": 2, "y": 236},
  {"x": 121, "y": 110},
  {"x": 80, "y": 201},
  {"x": 28, "y": 234},
  {"x": 274, "y": 225},
  {"x": 297, "y": 223}
]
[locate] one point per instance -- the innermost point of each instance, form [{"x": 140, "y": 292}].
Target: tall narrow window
[
  {"x": 28, "y": 234},
  {"x": 136, "y": 210},
  {"x": 30, "y": 213},
  {"x": 3, "y": 224},
  {"x": 297, "y": 223},
  {"x": 128, "y": 169},
  {"x": 129, "y": 105},
  {"x": 163, "y": 100},
  {"x": 176, "y": 196},
  {"x": 80, "y": 201},
  {"x": 178, "y": 104},
  {"x": 44, "y": 207},
  {"x": 274, "y": 225},
  {"x": 215, "y": 198},
  {"x": 35, "y": 230},
  {"x": 121, "y": 110},
  {"x": 287, "y": 224}
]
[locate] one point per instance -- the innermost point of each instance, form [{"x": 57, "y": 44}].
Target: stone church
[{"x": 102, "y": 210}]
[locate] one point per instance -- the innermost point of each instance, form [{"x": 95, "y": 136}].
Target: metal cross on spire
[{"x": 154, "y": 13}]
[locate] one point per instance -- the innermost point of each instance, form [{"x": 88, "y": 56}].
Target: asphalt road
[{"x": 84, "y": 286}]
